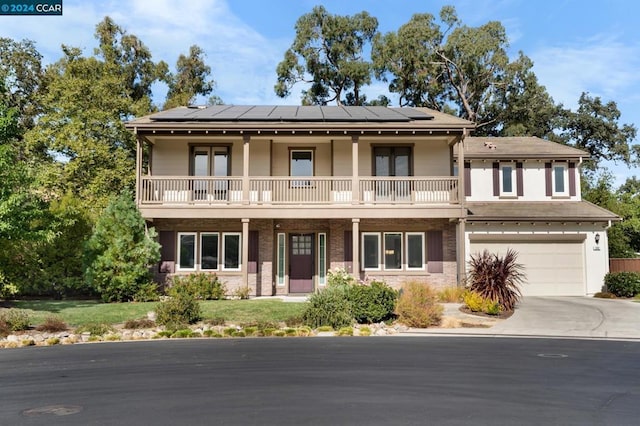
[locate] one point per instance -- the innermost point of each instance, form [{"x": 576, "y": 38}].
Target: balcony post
[
  {"x": 355, "y": 244},
  {"x": 245, "y": 169},
  {"x": 461, "y": 180},
  {"x": 245, "y": 252},
  {"x": 355, "y": 178},
  {"x": 138, "y": 167}
]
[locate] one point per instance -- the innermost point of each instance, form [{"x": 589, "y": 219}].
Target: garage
[{"x": 554, "y": 264}]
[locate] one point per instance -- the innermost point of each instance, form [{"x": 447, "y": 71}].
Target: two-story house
[
  {"x": 523, "y": 193},
  {"x": 272, "y": 197}
]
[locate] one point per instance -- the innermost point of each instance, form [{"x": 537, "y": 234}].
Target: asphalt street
[{"x": 439, "y": 380}]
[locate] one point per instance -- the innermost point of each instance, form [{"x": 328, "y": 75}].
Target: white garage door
[{"x": 552, "y": 268}]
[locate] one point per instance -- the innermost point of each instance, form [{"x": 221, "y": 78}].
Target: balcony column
[
  {"x": 461, "y": 180},
  {"x": 245, "y": 252},
  {"x": 245, "y": 169},
  {"x": 355, "y": 178},
  {"x": 139, "y": 150},
  {"x": 462, "y": 252},
  {"x": 355, "y": 244}
]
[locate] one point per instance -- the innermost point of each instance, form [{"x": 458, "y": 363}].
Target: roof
[
  {"x": 538, "y": 211},
  {"x": 217, "y": 113},
  {"x": 521, "y": 147},
  {"x": 265, "y": 119}
]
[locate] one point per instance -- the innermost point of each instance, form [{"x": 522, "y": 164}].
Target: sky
[{"x": 576, "y": 45}]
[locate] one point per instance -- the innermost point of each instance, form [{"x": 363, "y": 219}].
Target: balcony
[{"x": 297, "y": 191}]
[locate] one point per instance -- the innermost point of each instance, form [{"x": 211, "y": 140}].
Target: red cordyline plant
[{"x": 497, "y": 278}]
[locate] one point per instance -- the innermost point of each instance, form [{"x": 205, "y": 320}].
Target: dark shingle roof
[
  {"x": 521, "y": 147},
  {"x": 542, "y": 211}
]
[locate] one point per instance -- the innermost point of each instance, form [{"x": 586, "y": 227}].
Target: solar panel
[{"x": 291, "y": 113}]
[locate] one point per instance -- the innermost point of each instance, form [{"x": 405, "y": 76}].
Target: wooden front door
[{"x": 301, "y": 263}]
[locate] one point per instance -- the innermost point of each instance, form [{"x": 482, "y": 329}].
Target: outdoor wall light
[{"x": 597, "y": 237}]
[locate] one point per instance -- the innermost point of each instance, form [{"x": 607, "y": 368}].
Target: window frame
[
  {"x": 407, "y": 250},
  {"x": 281, "y": 259},
  {"x": 302, "y": 183},
  {"x": 195, "y": 251},
  {"x": 379, "y": 248},
  {"x": 514, "y": 181},
  {"x": 565, "y": 179},
  {"x": 224, "y": 250},
  {"x": 322, "y": 259},
  {"x": 204, "y": 234}
]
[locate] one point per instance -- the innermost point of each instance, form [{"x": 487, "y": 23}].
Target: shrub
[
  {"x": 182, "y": 334},
  {"x": 15, "y": 319},
  {"x": 200, "y": 285},
  {"x": 147, "y": 293},
  {"x": 52, "y": 324},
  {"x": 371, "y": 303},
  {"x": 623, "y": 284},
  {"x": 417, "y": 305},
  {"x": 329, "y": 306},
  {"x": 139, "y": 323},
  {"x": 340, "y": 276},
  {"x": 497, "y": 278},
  {"x": 178, "y": 311},
  {"x": 451, "y": 294},
  {"x": 345, "y": 331},
  {"x": 95, "y": 329},
  {"x": 242, "y": 293},
  {"x": 473, "y": 301},
  {"x": 216, "y": 321},
  {"x": 120, "y": 251},
  {"x": 604, "y": 295}
]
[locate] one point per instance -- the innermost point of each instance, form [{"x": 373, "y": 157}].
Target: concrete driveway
[{"x": 572, "y": 317}]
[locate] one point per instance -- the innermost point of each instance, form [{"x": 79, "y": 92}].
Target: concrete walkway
[{"x": 577, "y": 317}]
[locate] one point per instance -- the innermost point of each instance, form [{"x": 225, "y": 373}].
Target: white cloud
[{"x": 602, "y": 66}]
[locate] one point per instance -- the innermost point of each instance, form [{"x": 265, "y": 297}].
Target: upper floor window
[
  {"x": 301, "y": 164},
  {"x": 507, "y": 179},
  {"x": 392, "y": 161},
  {"x": 559, "y": 178}
]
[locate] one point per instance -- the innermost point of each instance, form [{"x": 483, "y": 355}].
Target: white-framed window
[
  {"x": 280, "y": 261},
  {"x": 392, "y": 251},
  {"x": 560, "y": 179},
  {"x": 231, "y": 251},
  {"x": 507, "y": 179},
  {"x": 415, "y": 251},
  {"x": 187, "y": 249},
  {"x": 322, "y": 259},
  {"x": 371, "y": 251},
  {"x": 209, "y": 251}
]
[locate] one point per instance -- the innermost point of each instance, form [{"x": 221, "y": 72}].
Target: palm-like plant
[{"x": 497, "y": 278}]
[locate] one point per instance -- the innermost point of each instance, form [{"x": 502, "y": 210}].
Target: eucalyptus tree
[
  {"x": 191, "y": 79},
  {"x": 328, "y": 54}
]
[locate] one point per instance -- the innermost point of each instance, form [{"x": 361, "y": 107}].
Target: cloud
[{"x": 602, "y": 66}]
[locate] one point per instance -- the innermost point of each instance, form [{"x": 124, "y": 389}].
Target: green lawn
[{"x": 81, "y": 312}]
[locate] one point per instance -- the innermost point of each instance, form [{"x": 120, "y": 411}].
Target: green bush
[
  {"x": 200, "y": 285},
  {"x": 147, "y": 293},
  {"x": 120, "y": 252},
  {"x": 15, "y": 319},
  {"x": 340, "y": 276},
  {"x": 136, "y": 324},
  {"x": 623, "y": 284},
  {"x": 329, "y": 306},
  {"x": 95, "y": 329},
  {"x": 178, "y": 311},
  {"x": 476, "y": 303},
  {"x": 371, "y": 303},
  {"x": 418, "y": 305}
]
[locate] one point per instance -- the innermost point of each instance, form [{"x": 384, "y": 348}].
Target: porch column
[
  {"x": 138, "y": 168},
  {"x": 245, "y": 169},
  {"x": 355, "y": 244},
  {"x": 245, "y": 252},
  {"x": 462, "y": 252},
  {"x": 355, "y": 186}
]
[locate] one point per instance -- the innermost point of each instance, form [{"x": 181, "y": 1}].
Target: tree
[
  {"x": 120, "y": 252},
  {"x": 328, "y": 54},
  {"x": 191, "y": 79},
  {"x": 594, "y": 127},
  {"x": 406, "y": 59},
  {"x": 21, "y": 75}
]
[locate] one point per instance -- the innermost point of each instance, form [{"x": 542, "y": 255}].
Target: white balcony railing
[{"x": 298, "y": 190}]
